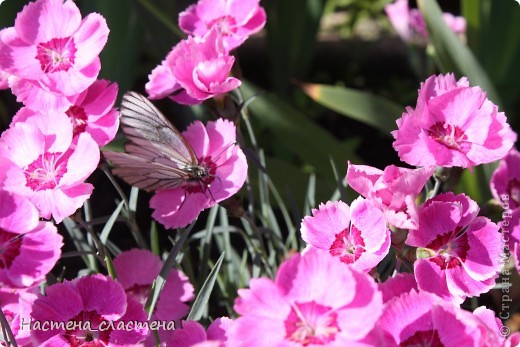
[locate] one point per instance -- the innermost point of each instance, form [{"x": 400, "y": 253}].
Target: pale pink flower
[
  {"x": 393, "y": 190},
  {"x": 453, "y": 124},
  {"x": 95, "y": 300},
  {"x": 50, "y": 169},
  {"x": 215, "y": 148},
  {"x": 410, "y": 25},
  {"x": 416, "y": 317},
  {"x": 314, "y": 300},
  {"x": 196, "y": 69},
  {"x": 357, "y": 235},
  {"x": 51, "y": 58},
  {"x": 192, "y": 334},
  {"x": 92, "y": 112},
  {"x": 16, "y": 305},
  {"x": 29, "y": 248},
  {"x": 505, "y": 182},
  {"x": 137, "y": 269},
  {"x": 458, "y": 254},
  {"x": 236, "y": 19}
]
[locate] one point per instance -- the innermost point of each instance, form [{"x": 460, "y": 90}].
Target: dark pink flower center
[
  {"x": 88, "y": 332},
  {"x": 428, "y": 338},
  {"x": 452, "y": 249},
  {"x": 56, "y": 55},
  {"x": 78, "y": 117},
  {"x": 348, "y": 245},
  {"x": 513, "y": 189},
  {"x": 46, "y": 171},
  {"x": 311, "y": 323},
  {"x": 226, "y": 24},
  {"x": 10, "y": 244},
  {"x": 449, "y": 135},
  {"x": 201, "y": 176}
]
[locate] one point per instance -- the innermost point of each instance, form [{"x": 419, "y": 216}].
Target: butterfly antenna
[{"x": 234, "y": 143}]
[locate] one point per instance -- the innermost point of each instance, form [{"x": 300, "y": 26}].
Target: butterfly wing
[{"x": 156, "y": 153}]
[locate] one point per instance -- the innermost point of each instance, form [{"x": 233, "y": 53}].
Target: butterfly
[{"x": 157, "y": 156}]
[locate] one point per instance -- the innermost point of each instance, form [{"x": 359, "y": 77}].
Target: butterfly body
[{"x": 157, "y": 156}]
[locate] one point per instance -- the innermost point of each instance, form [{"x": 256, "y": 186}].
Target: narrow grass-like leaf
[
  {"x": 132, "y": 200},
  {"x": 7, "y": 333},
  {"x": 310, "y": 200},
  {"x": 372, "y": 110},
  {"x": 79, "y": 241},
  {"x": 199, "y": 305},
  {"x": 453, "y": 55},
  {"x": 154, "y": 238},
  {"x": 110, "y": 266},
  {"x": 110, "y": 223},
  {"x": 158, "y": 283},
  {"x": 297, "y": 132}
]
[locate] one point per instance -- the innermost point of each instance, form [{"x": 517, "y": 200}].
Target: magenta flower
[
  {"x": 417, "y": 317},
  {"x": 95, "y": 305},
  {"x": 510, "y": 225},
  {"x": 458, "y": 254},
  {"x": 235, "y": 19},
  {"x": 137, "y": 269},
  {"x": 393, "y": 190},
  {"x": 52, "y": 59},
  {"x": 453, "y": 124},
  {"x": 196, "y": 69},
  {"x": 357, "y": 235},
  {"x": 410, "y": 25},
  {"x": 192, "y": 334},
  {"x": 29, "y": 248},
  {"x": 505, "y": 182},
  {"x": 50, "y": 169},
  {"x": 314, "y": 300},
  {"x": 215, "y": 148},
  {"x": 395, "y": 286}
]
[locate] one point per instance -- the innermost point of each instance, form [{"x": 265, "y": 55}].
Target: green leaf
[
  {"x": 373, "y": 110},
  {"x": 110, "y": 223},
  {"x": 199, "y": 305},
  {"x": 453, "y": 55},
  {"x": 298, "y": 133}
]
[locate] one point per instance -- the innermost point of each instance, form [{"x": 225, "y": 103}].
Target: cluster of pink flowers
[
  {"x": 410, "y": 25},
  {"x": 198, "y": 68},
  {"x": 325, "y": 295}
]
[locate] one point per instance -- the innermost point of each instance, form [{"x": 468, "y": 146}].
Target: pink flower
[
  {"x": 357, "y": 235},
  {"x": 49, "y": 168},
  {"x": 505, "y": 182},
  {"x": 453, "y": 124},
  {"x": 395, "y": 286},
  {"x": 410, "y": 24},
  {"x": 459, "y": 252},
  {"x": 235, "y": 19},
  {"x": 196, "y": 69},
  {"x": 192, "y": 334},
  {"x": 137, "y": 269},
  {"x": 215, "y": 148},
  {"x": 314, "y": 300},
  {"x": 513, "y": 340},
  {"x": 510, "y": 225},
  {"x": 29, "y": 248},
  {"x": 16, "y": 305},
  {"x": 95, "y": 305},
  {"x": 393, "y": 190},
  {"x": 51, "y": 58},
  {"x": 93, "y": 112},
  {"x": 416, "y": 317}
]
